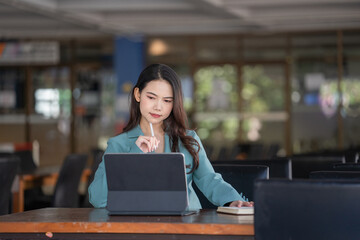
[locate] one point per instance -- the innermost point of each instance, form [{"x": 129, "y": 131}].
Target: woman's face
[{"x": 156, "y": 101}]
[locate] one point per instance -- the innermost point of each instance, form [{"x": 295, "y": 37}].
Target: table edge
[{"x": 127, "y": 227}]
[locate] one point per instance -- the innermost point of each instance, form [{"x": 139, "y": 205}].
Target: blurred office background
[{"x": 261, "y": 77}]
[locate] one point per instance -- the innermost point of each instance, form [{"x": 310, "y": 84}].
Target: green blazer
[{"x": 210, "y": 183}]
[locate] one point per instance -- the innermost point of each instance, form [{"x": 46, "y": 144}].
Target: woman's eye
[
  {"x": 168, "y": 101},
  {"x": 150, "y": 97}
]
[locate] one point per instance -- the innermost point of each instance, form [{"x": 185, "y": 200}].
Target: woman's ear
[{"x": 137, "y": 94}]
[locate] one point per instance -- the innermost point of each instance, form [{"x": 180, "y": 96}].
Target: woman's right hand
[
  {"x": 241, "y": 204},
  {"x": 147, "y": 143}
]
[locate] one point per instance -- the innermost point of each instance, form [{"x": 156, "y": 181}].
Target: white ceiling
[{"x": 93, "y": 18}]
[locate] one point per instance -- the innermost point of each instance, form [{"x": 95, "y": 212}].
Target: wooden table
[
  {"x": 43, "y": 176},
  {"x": 89, "y": 223}
]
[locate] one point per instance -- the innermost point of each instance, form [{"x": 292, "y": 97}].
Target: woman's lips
[{"x": 155, "y": 115}]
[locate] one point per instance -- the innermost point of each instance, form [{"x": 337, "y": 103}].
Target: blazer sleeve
[{"x": 211, "y": 184}]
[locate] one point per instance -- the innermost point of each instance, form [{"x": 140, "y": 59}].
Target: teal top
[{"x": 210, "y": 183}]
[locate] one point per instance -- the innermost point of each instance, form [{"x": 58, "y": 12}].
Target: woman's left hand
[{"x": 241, "y": 204}]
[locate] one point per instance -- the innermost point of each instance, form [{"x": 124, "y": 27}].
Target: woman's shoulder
[
  {"x": 119, "y": 138},
  {"x": 118, "y": 143},
  {"x": 132, "y": 133},
  {"x": 191, "y": 133}
]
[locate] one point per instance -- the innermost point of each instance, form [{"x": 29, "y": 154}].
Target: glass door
[
  {"x": 50, "y": 117},
  {"x": 241, "y": 115},
  {"x": 216, "y": 108},
  {"x": 263, "y": 116}
]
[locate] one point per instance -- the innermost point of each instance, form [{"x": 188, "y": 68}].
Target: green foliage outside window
[
  {"x": 204, "y": 79},
  {"x": 260, "y": 92}
]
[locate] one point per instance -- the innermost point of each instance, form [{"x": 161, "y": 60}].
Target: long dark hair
[{"x": 176, "y": 124}]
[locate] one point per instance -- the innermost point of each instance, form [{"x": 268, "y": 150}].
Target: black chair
[
  {"x": 66, "y": 189},
  {"x": 346, "y": 167},
  {"x": 303, "y": 165},
  {"x": 9, "y": 167},
  {"x": 256, "y": 151},
  {"x": 356, "y": 157},
  {"x": 97, "y": 158},
  {"x": 223, "y": 153},
  {"x": 242, "y": 178},
  {"x": 350, "y": 155},
  {"x": 209, "y": 149},
  {"x": 278, "y": 167},
  {"x": 27, "y": 163},
  {"x": 335, "y": 175},
  {"x": 306, "y": 209}
]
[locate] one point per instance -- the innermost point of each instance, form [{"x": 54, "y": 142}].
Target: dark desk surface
[{"x": 89, "y": 220}]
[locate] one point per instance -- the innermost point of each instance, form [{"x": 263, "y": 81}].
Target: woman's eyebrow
[{"x": 151, "y": 93}]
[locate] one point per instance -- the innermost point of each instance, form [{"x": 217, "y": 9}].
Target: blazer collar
[{"x": 135, "y": 132}]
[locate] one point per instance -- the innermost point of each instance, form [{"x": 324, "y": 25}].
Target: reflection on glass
[
  {"x": 216, "y": 103},
  {"x": 315, "y": 76},
  {"x": 329, "y": 98},
  {"x": 52, "y": 102},
  {"x": 187, "y": 88},
  {"x": 47, "y": 102},
  {"x": 262, "y": 91},
  {"x": 7, "y": 99},
  {"x": 216, "y": 88},
  {"x": 263, "y": 104},
  {"x": 351, "y": 97},
  {"x": 50, "y": 126},
  {"x": 12, "y": 88},
  {"x": 350, "y": 89}
]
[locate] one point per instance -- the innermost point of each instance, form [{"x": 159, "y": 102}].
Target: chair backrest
[
  {"x": 209, "y": 149},
  {"x": 336, "y": 175},
  {"x": 223, "y": 153},
  {"x": 356, "y": 157},
  {"x": 306, "y": 209},
  {"x": 241, "y": 177},
  {"x": 66, "y": 190},
  {"x": 278, "y": 167},
  {"x": 303, "y": 165},
  {"x": 27, "y": 163},
  {"x": 346, "y": 167},
  {"x": 97, "y": 158},
  {"x": 9, "y": 166},
  {"x": 350, "y": 155},
  {"x": 254, "y": 151}
]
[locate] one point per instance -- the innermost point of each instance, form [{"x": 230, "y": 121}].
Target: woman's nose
[{"x": 158, "y": 105}]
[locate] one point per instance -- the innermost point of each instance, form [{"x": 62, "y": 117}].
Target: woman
[{"x": 158, "y": 123}]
